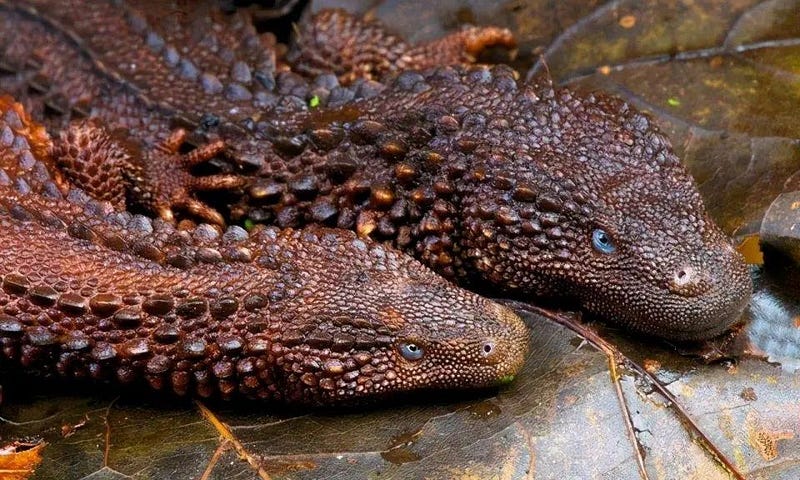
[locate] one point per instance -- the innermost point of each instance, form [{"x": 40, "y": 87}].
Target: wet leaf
[
  {"x": 723, "y": 80},
  {"x": 780, "y": 229}
]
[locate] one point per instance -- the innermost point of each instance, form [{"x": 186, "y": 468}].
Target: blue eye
[
  {"x": 411, "y": 351},
  {"x": 601, "y": 241}
]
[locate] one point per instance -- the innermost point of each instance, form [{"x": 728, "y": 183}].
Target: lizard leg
[
  {"x": 336, "y": 41},
  {"x": 158, "y": 179}
]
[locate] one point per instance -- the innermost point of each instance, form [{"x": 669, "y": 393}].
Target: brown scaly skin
[
  {"x": 352, "y": 48},
  {"x": 314, "y": 317},
  {"x": 489, "y": 180},
  {"x": 492, "y": 182},
  {"x": 144, "y": 71}
]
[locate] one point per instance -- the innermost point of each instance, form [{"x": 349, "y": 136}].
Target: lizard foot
[{"x": 158, "y": 180}]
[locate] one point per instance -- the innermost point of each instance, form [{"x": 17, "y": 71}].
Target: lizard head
[
  {"x": 389, "y": 326},
  {"x": 587, "y": 200}
]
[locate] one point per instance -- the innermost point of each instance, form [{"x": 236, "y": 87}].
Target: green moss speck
[
  {"x": 249, "y": 224},
  {"x": 505, "y": 380},
  {"x": 673, "y": 102},
  {"x": 314, "y": 102}
]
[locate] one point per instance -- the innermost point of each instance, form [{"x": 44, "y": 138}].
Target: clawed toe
[
  {"x": 200, "y": 211},
  {"x": 221, "y": 182},
  {"x": 466, "y": 45}
]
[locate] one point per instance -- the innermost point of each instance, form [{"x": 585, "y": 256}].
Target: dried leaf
[{"x": 18, "y": 459}]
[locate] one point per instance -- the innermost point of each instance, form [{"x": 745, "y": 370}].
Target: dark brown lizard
[
  {"x": 314, "y": 317},
  {"x": 498, "y": 184}
]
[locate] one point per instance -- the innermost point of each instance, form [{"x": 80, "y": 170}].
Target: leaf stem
[{"x": 617, "y": 359}]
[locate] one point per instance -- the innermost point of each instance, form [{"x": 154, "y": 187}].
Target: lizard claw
[{"x": 200, "y": 210}]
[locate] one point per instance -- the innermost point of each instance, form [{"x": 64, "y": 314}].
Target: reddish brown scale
[{"x": 316, "y": 317}]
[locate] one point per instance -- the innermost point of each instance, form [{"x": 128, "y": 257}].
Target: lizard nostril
[
  {"x": 684, "y": 276},
  {"x": 688, "y": 281}
]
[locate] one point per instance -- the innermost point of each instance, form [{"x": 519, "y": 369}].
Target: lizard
[{"x": 501, "y": 185}]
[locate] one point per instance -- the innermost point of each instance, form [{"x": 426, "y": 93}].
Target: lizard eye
[
  {"x": 602, "y": 242},
  {"x": 411, "y": 351}
]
